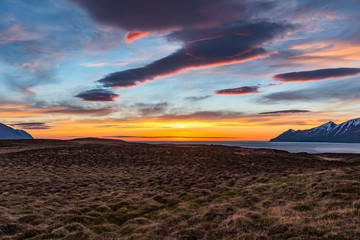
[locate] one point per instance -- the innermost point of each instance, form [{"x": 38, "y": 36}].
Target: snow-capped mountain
[
  {"x": 7, "y": 132},
  {"x": 329, "y": 132}
]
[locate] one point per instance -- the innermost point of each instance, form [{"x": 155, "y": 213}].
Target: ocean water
[{"x": 294, "y": 147}]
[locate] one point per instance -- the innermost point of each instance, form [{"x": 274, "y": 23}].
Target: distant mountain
[
  {"x": 348, "y": 132},
  {"x": 7, "y": 132}
]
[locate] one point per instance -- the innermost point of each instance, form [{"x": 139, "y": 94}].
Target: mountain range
[
  {"x": 348, "y": 132},
  {"x": 7, "y": 132}
]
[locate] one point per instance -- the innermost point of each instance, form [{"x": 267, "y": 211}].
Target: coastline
[{"x": 293, "y": 147}]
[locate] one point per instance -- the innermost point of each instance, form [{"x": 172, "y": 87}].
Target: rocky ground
[{"x": 95, "y": 189}]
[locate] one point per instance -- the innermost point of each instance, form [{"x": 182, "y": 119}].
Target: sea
[{"x": 293, "y": 147}]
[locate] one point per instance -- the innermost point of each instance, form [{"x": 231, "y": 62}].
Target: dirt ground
[{"x": 97, "y": 189}]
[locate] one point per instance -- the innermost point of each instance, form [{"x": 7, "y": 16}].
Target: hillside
[
  {"x": 348, "y": 132},
  {"x": 7, "y": 132}
]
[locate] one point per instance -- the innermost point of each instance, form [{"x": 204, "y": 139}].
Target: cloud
[
  {"x": 36, "y": 39},
  {"x": 203, "y": 115},
  {"x": 211, "y": 47},
  {"x": 98, "y": 95},
  {"x": 17, "y": 33},
  {"x": 101, "y": 64},
  {"x": 300, "y": 95},
  {"x": 106, "y": 126},
  {"x": 238, "y": 91},
  {"x": 134, "y": 35},
  {"x": 212, "y": 32},
  {"x": 317, "y": 75},
  {"x": 75, "y": 110},
  {"x": 147, "y": 109},
  {"x": 341, "y": 14},
  {"x": 32, "y": 54},
  {"x": 196, "y": 99},
  {"x": 333, "y": 91},
  {"x": 284, "y": 112},
  {"x": 160, "y": 15},
  {"x": 31, "y": 125}
]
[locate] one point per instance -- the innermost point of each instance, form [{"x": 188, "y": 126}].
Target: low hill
[{"x": 98, "y": 140}]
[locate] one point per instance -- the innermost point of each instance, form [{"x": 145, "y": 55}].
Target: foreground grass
[{"x": 97, "y": 190}]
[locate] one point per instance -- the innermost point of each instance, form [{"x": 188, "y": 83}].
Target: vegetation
[{"x": 93, "y": 189}]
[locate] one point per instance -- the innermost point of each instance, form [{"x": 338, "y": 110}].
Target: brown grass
[{"x": 114, "y": 190}]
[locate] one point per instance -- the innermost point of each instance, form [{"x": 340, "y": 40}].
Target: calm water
[{"x": 309, "y": 147}]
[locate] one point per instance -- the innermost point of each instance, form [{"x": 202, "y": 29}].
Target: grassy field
[{"x": 93, "y": 189}]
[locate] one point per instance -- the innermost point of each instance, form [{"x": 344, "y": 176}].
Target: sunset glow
[{"x": 77, "y": 68}]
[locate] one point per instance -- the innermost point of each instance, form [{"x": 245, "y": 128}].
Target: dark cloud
[
  {"x": 31, "y": 125},
  {"x": 160, "y": 15},
  {"x": 316, "y": 75},
  {"x": 98, "y": 95},
  {"x": 196, "y": 99},
  {"x": 238, "y": 91},
  {"x": 284, "y": 112},
  {"x": 232, "y": 44},
  {"x": 212, "y": 32}
]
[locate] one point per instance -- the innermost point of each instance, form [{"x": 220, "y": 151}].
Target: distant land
[
  {"x": 95, "y": 189},
  {"x": 7, "y": 132},
  {"x": 347, "y": 132}
]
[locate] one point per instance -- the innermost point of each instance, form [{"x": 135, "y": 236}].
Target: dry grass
[{"x": 114, "y": 190}]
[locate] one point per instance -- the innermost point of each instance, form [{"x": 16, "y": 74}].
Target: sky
[{"x": 182, "y": 70}]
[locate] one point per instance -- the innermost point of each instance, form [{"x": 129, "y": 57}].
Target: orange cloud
[
  {"x": 135, "y": 35},
  {"x": 327, "y": 53}
]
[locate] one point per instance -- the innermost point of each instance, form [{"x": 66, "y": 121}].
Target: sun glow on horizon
[{"x": 229, "y": 130}]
